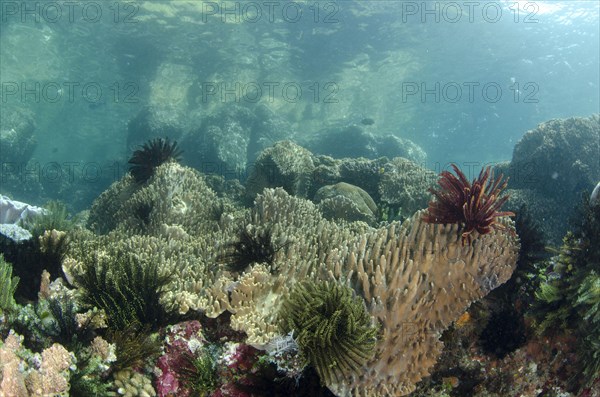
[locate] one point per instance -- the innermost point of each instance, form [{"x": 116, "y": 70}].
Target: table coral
[{"x": 415, "y": 277}]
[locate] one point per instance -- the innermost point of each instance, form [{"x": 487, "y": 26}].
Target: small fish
[
  {"x": 96, "y": 105},
  {"x": 367, "y": 121}
]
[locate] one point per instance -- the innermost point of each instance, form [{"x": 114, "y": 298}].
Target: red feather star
[{"x": 474, "y": 205}]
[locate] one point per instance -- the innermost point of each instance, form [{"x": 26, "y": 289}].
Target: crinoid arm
[{"x": 474, "y": 205}]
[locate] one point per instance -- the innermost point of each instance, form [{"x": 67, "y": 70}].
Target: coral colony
[{"x": 172, "y": 287}]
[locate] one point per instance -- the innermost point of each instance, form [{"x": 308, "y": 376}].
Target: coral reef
[
  {"x": 312, "y": 248},
  {"x": 396, "y": 269},
  {"x": 399, "y": 184},
  {"x": 175, "y": 200},
  {"x": 474, "y": 205},
  {"x": 357, "y": 141},
  {"x": 554, "y": 163},
  {"x": 183, "y": 233},
  {"x": 157, "y": 255}
]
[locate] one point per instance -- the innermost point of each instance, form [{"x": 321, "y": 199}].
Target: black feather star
[
  {"x": 248, "y": 249},
  {"x": 151, "y": 155}
]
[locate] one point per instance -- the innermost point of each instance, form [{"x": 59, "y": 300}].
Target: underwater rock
[
  {"x": 551, "y": 213},
  {"x": 268, "y": 129},
  {"x": 349, "y": 141},
  {"x": 17, "y": 140},
  {"x": 285, "y": 165},
  {"x": 171, "y": 85},
  {"x": 167, "y": 115},
  {"x": 152, "y": 122},
  {"x": 231, "y": 139},
  {"x": 555, "y": 162},
  {"x": 361, "y": 172},
  {"x": 346, "y": 201},
  {"x": 355, "y": 141},
  {"x": 559, "y": 157},
  {"x": 392, "y": 146},
  {"x": 220, "y": 144}
]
